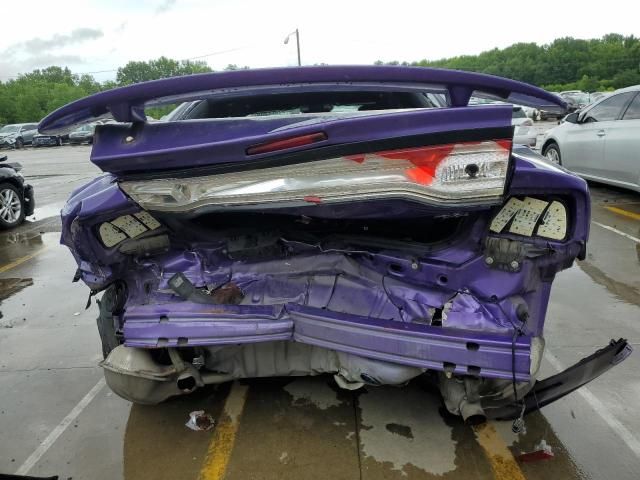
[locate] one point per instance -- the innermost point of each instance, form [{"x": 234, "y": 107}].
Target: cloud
[
  {"x": 12, "y": 69},
  {"x": 41, "y": 52},
  {"x": 165, "y": 6},
  {"x": 37, "y": 46}
]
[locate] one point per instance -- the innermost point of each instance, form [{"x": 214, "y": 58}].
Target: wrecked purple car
[{"x": 358, "y": 221}]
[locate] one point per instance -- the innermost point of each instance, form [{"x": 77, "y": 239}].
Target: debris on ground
[
  {"x": 542, "y": 451},
  {"x": 200, "y": 421}
]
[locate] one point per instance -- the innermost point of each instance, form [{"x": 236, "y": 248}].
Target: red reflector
[
  {"x": 287, "y": 143},
  {"x": 312, "y": 199},
  {"x": 506, "y": 144}
]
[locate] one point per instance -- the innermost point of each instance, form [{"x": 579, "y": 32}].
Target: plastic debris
[
  {"x": 542, "y": 451},
  {"x": 200, "y": 421}
]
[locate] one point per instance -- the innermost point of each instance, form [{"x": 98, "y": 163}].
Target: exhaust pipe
[
  {"x": 472, "y": 413},
  {"x": 135, "y": 376}
]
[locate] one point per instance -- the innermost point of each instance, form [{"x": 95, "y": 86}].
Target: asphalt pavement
[{"x": 57, "y": 417}]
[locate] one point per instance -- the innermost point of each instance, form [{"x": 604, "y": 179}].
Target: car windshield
[
  {"x": 9, "y": 129},
  {"x": 83, "y": 129}
]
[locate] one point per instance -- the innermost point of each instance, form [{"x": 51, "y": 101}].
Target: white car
[
  {"x": 525, "y": 133},
  {"x": 601, "y": 142}
]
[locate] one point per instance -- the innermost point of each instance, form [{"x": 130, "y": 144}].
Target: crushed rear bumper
[
  {"x": 453, "y": 350},
  {"x": 557, "y": 386}
]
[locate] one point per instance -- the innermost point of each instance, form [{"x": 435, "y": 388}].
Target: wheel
[
  {"x": 11, "y": 206},
  {"x": 111, "y": 302},
  {"x": 552, "y": 152},
  {"x": 59, "y": 141},
  {"x": 19, "y": 143}
]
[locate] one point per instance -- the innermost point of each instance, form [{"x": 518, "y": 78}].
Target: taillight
[{"x": 473, "y": 172}]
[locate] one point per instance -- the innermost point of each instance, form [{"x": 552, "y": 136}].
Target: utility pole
[{"x": 286, "y": 41}]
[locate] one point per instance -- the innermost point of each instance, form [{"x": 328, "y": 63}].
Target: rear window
[{"x": 303, "y": 103}]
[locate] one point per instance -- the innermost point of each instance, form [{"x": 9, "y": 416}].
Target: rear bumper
[
  {"x": 457, "y": 351},
  {"x": 557, "y": 386},
  {"x": 45, "y": 142}
]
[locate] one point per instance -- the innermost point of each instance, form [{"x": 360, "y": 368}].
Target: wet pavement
[{"x": 58, "y": 417}]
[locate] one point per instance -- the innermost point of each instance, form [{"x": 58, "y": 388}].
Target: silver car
[
  {"x": 601, "y": 142},
  {"x": 17, "y": 135},
  {"x": 524, "y": 132}
]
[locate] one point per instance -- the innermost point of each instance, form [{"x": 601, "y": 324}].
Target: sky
[{"x": 101, "y": 35}]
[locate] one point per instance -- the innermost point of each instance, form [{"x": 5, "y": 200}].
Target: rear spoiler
[{"x": 127, "y": 104}]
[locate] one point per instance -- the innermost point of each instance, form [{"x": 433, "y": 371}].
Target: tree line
[{"x": 606, "y": 63}]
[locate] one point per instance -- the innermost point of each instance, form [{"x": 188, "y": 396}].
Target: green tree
[{"x": 163, "y": 67}]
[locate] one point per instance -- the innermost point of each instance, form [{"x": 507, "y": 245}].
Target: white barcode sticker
[
  {"x": 148, "y": 220},
  {"x": 129, "y": 225},
  {"x": 506, "y": 214},
  {"x": 110, "y": 235},
  {"x": 527, "y": 217},
  {"x": 554, "y": 222}
]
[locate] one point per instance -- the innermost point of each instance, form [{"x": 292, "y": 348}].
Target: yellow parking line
[
  {"x": 503, "y": 464},
  {"x": 624, "y": 213},
  {"x": 224, "y": 436},
  {"x": 20, "y": 260}
]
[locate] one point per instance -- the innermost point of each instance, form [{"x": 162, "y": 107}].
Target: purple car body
[{"x": 359, "y": 221}]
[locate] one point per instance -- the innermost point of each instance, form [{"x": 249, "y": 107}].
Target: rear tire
[
  {"x": 59, "y": 141},
  {"x": 11, "y": 206},
  {"x": 110, "y": 303},
  {"x": 552, "y": 153}
]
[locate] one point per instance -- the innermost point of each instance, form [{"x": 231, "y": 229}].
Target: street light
[{"x": 286, "y": 41}]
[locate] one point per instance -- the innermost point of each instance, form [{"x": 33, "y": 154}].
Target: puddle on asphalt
[
  {"x": 11, "y": 286},
  {"x": 401, "y": 433},
  {"x": 46, "y": 211},
  {"x": 15, "y": 245},
  {"x": 620, "y": 290},
  {"x": 307, "y": 390},
  {"x": 8, "y": 288},
  {"x": 402, "y": 427}
]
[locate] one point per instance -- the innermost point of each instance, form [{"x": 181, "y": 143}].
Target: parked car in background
[
  {"x": 82, "y": 134},
  {"x": 327, "y": 219},
  {"x": 595, "y": 96},
  {"x": 532, "y": 113},
  {"x": 575, "y": 99},
  {"x": 17, "y": 135},
  {"x": 41, "y": 140},
  {"x": 546, "y": 115},
  {"x": 601, "y": 142},
  {"x": 16, "y": 196},
  {"x": 524, "y": 133}
]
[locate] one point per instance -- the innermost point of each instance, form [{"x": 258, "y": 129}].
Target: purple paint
[{"x": 435, "y": 303}]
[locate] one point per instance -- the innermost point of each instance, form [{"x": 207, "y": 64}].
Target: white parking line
[
  {"x": 59, "y": 430},
  {"x": 619, "y": 232},
  {"x": 618, "y": 428}
]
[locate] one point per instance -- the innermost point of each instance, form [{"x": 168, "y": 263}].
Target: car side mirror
[{"x": 572, "y": 118}]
